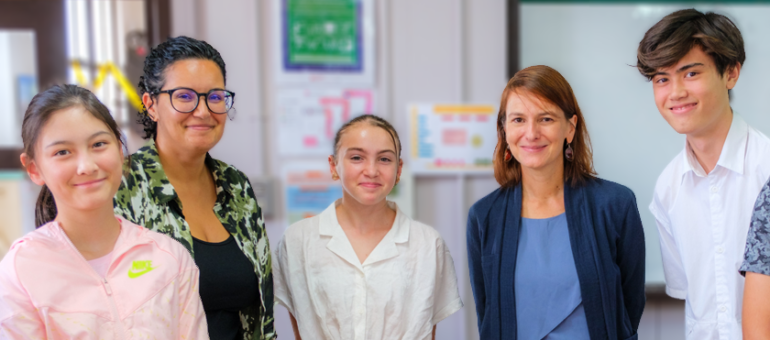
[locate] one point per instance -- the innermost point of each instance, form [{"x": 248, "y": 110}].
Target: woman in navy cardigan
[{"x": 555, "y": 252}]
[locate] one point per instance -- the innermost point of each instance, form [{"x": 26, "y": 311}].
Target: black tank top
[{"x": 227, "y": 284}]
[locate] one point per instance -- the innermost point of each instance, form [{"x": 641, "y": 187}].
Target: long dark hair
[
  {"x": 160, "y": 58},
  {"x": 42, "y": 106}
]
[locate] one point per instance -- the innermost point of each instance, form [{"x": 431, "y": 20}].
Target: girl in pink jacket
[{"x": 85, "y": 273}]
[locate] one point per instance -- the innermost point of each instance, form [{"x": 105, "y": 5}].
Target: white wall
[
  {"x": 17, "y": 57},
  {"x": 7, "y": 99}
]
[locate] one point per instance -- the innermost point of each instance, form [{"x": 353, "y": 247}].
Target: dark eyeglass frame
[{"x": 197, "y": 98}]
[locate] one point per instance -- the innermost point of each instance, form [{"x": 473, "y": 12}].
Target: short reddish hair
[{"x": 548, "y": 85}]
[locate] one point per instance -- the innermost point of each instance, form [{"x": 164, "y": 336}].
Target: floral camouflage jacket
[
  {"x": 757, "y": 255},
  {"x": 147, "y": 198}
]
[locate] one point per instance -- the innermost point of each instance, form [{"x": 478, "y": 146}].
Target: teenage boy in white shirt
[{"x": 703, "y": 199}]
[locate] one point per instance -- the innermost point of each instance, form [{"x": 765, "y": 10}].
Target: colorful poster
[
  {"x": 308, "y": 119},
  {"x": 309, "y": 189},
  {"x": 324, "y": 41},
  {"x": 322, "y": 35},
  {"x": 452, "y": 138}
]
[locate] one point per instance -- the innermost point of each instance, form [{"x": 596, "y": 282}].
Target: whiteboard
[{"x": 594, "y": 47}]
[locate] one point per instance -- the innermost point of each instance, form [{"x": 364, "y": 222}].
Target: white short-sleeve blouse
[{"x": 405, "y": 286}]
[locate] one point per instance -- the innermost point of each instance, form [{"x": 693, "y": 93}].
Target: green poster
[{"x": 322, "y": 35}]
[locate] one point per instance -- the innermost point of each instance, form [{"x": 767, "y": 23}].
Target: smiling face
[
  {"x": 366, "y": 163},
  {"x": 692, "y": 96},
  {"x": 78, "y": 158},
  {"x": 200, "y": 130},
  {"x": 535, "y": 131}
]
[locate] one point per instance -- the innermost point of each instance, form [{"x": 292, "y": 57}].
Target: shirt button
[
  {"x": 714, "y": 190},
  {"x": 719, "y": 251},
  {"x": 723, "y": 309}
]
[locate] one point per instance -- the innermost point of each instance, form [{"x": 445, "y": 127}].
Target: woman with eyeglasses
[{"x": 175, "y": 187}]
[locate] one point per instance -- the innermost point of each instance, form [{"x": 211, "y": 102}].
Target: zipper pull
[{"x": 107, "y": 287}]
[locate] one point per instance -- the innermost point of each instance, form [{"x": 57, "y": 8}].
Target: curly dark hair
[{"x": 159, "y": 59}]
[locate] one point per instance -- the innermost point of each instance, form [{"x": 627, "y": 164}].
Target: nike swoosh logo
[{"x": 132, "y": 274}]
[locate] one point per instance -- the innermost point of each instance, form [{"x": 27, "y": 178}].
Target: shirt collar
[
  {"x": 340, "y": 245},
  {"x": 733, "y": 152},
  {"x": 162, "y": 190}
]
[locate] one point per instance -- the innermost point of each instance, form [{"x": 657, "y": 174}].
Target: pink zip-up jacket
[{"x": 49, "y": 291}]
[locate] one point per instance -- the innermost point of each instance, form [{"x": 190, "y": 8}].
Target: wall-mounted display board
[
  {"x": 452, "y": 138},
  {"x": 308, "y": 119},
  {"x": 308, "y": 189},
  {"x": 324, "y": 41}
]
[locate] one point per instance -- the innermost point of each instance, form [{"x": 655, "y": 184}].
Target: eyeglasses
[{"x": 186, "y": 100}]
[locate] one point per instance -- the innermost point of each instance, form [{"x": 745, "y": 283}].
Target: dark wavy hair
[
  {"x": 159, "y": 59},
  {"x": 42, "y": 106},
  {"x": 669, "y": 40}
]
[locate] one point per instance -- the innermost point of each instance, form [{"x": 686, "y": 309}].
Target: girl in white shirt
[{"x": 362, "y": 269}]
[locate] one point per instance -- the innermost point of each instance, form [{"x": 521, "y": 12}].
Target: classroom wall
[
  {"x": 17, "y": 58},
  {"x": 632, "y": 143},
  {"x": 426, "y": 51}
]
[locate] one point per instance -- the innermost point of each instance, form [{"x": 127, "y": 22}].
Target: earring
[
  {"x": 508, "y": 154},
  {"x": 335, "y": 177},
  {"x": 232, "y": 113},
  {"x": 568, "y": 154}
]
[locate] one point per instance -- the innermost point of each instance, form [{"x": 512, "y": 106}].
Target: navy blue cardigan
[{"x": 607, "y": 240}]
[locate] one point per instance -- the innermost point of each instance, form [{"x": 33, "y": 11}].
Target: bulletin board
[
  {"x": 309, "y": 189},
  {"x": 309, "y": 118},
  {"x": 324, "y": 41},
  {"x": 452, "y": 138}
]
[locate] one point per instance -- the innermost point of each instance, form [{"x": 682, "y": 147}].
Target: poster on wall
[
  {"x": 308, "y": 119},
  {"x": 447, "y": 138},
  {"x": 308, "y": 189},
  {"x": 324, "y": 41}
]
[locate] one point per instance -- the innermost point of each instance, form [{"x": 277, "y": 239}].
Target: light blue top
[{"x": 548, "y": 300}]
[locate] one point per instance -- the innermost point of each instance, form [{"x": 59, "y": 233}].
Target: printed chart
[
  {"x": 309, "y": 189},
  {"x": 308, "y": 119},
  {"x": 448, "y": 138}
]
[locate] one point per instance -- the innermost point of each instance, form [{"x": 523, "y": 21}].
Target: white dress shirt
[
  {"x": 702, "y": 221},
  {"x": 405, "y": 286}
]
